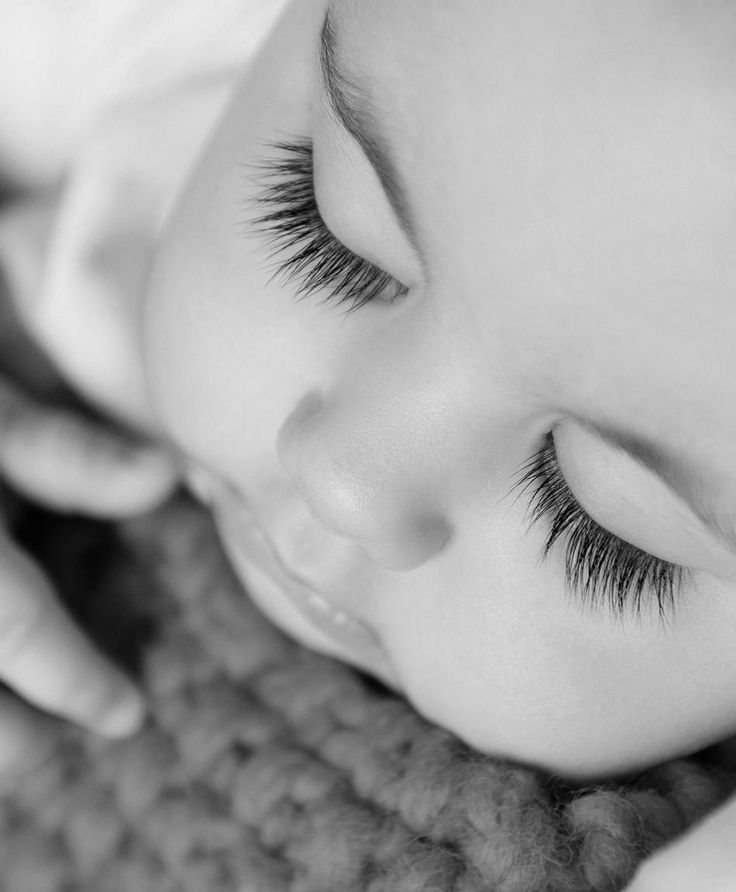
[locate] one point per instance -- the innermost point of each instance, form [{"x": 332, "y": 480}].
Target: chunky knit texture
[{"x": 265, "y": 768}]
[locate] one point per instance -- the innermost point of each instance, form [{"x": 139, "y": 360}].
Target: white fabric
[
  {"x": 66, "y": 63},
  {"x": 104, "y": 105}
]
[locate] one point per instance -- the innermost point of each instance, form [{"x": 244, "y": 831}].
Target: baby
[{"x": 442, "y": 329}]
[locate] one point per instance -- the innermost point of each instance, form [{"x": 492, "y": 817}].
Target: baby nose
[{"x": 361, "y": 482}]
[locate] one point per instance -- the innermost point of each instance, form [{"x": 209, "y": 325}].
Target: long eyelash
[
  {"x": 304, "y": 250},
  {"x": 600, "y": 568}
]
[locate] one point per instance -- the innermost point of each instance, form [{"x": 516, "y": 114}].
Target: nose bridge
[{"x": 373, "y": 467}]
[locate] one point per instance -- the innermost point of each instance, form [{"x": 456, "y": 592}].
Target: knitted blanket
[{"x": 266, "y": 768}]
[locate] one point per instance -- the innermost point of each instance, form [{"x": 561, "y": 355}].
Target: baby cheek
[
  {"x": 463, "y": 639},
  {"x": 480, "y": 654},
  {"x": 167, "y": 376},
  {"x": 176, "y": 357},
  {"x": 193, "y": 340}
]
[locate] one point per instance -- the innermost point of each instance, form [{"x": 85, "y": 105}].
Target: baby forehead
[
  {"x": 585, "y": 99},
  {"x": 441, "y": 30},
  {"x": 569, "y": 169},
  {"x": 476, "y": 57}
]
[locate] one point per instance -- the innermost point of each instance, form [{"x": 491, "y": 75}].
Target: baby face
[{"x": 476, "y": 434}]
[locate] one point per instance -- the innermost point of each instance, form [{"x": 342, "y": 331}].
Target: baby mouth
[
  {"x": 246, "y": 540},
  {"x": 354, "y": 638}
]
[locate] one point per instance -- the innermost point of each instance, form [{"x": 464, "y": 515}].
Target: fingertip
[
  {"x": 155, "y": 472},
  {"x": 125, "y": 717},
  {"x": 144, "y": 479}
]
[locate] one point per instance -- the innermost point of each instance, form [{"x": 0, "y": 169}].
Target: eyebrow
[
  {"x": 353, "y": 109},
  {"x": 679, "y": 476}
]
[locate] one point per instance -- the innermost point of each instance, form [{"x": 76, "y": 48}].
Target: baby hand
[
  {"x": 703, "y": 859},
  {"x": 67, "y": 463}
]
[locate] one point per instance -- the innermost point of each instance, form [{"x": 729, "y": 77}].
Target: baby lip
[
  {"x": 209, "y": 488},
  {"x": 358, "y": 641},
  {"x": 356, "y": 638},
  {"x": 317, "y": 603}
]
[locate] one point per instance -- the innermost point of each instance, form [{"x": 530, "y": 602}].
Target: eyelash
[
  {"x": 307, "y": 254},
  {"x": 600, "y": 568}
]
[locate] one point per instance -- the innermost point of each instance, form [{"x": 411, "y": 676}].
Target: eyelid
[
  {"x": 675, "y": 472},
  {"x": 304, "y": 249},
  {"x": 350, "y": 106},
  {"x": 359, "y": 252},
  {"x": 625, "y": 496},
  {"x": 599, "y": 566},
  {"x": 354, "y": 206}
]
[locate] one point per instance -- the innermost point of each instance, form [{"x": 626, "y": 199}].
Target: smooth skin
[
  {"x": 569, "y": 171},
  {"x": 570, "y": 177},
  {"x": 573, "y": 212}
]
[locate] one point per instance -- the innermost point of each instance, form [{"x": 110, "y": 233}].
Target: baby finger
[
  {"x": 47, "y": 660},
  {"x": 73, "y": 464}
]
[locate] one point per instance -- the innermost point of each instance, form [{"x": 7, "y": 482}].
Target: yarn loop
[{"x": 265, "y": 768}]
